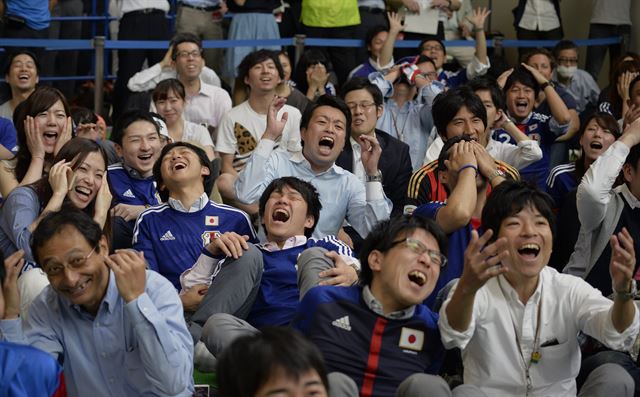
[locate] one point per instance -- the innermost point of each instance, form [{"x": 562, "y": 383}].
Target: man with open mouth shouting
[
  {"x": 324, "y": 127},
  {"x": 379, "y": 334},
  {"x": 516, "y": 319}
]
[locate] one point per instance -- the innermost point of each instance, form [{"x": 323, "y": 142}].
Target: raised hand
[
  {"x": 412, "y": 5},
  {"x": 633, "y": 113},
  {"x": 274, "y": 126},
  {"x": 537, "y": 75},
  {"x": 229, "y": 244},
  {"x": 341, "y": 274},
  {"x": 371, "y": 152},
  {"x": 9, "y": 295},
  {"x": 129, "y": 269},
  {"x": 478, "y": 17},
  {"x": 623, "y": 260},
  {"x": 502, "y": 79},
  {"x": 395, "y": 22},
  {"x": 34, "y": 138},
  {"x": 481, "y": 262},
  {"x": 67, "y": 134},
  {"x": 486, "y": 163},
  {"x": 61, "y": 177},
  {"x": 461, "y": 154},
  {"x": 623, "y": 83}
]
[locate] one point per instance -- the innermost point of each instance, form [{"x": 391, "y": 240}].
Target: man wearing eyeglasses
[
  {"x": 378, "y": 333},
  {"x": 206, "y": 102},
  {"x": 117, "y": 328}
]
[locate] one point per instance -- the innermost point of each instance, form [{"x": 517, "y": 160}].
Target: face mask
[{"x": 566, "y": 72}]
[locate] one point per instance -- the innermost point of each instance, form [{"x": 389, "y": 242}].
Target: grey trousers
[
  {"x": 234, "y": 290},
  {"x": 606, "y": 380},
  {"x": 417, "y": 385}
]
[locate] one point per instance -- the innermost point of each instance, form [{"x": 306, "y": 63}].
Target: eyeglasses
[
  {"x": 192, "y": 54},
  {"x": 417, "y": 247},
  {"x": 55, "y": 269},
  {"x": 570, "y": 61},
  {"x": 429, "y": 48},
  {"x": 364, "y": 105}
]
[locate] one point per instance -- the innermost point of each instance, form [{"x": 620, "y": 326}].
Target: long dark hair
[
  {"x": 76, "y": 148},
  {"x": 39, "y": 101},
  {"x": 605, "y": 121}
]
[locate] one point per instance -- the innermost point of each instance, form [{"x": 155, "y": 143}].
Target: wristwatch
[
  {"x": 626, "y": 295},
  {"x": 545, "y": 85},
  {"x": 375, "y": 178},
  {"x": 498, "y": 172}
]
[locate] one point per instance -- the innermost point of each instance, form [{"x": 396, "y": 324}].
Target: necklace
[{"x": 536, "y": 355}]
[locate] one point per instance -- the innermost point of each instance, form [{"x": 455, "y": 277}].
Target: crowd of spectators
[{"x": 367, "y": 222}]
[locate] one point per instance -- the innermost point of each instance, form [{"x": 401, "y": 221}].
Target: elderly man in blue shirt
[{"x": 118, "y": 328}]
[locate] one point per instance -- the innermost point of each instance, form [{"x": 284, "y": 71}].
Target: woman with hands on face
[
  {"x": 43, "y": 126},
  {"x": 77, "y": 178}
]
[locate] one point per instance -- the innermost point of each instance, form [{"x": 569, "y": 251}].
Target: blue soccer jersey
[
  {"x": 172, "y": 240},
  {"x": 127, "y": 189}
]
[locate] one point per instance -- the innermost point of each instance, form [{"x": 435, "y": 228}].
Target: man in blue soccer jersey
[
  {"x": 378, "y": 333},
  {"x": 137, "y": 141},
  {"x": 521, "y": 90},
  {"x": 262, "y": 284},
  {"x": 173, "y": 234}
]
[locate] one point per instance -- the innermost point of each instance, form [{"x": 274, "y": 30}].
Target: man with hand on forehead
[{"x": 514, "y": 316}]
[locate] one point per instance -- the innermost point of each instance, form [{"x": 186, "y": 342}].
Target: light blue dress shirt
[
  {"x": 141, "y": 348},
  {"x": 342, "y": 194},
  {"x": 412, "y": 123}
]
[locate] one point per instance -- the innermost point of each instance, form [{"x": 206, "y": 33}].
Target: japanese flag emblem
[
  {"x": 210, "y": 220},
  {"x": 411, "y": 339}
]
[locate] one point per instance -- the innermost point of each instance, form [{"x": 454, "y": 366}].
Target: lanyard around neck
[{"x": 536, "y": 355}]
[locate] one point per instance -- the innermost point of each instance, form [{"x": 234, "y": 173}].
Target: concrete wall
[{"x": 575, "y": 20}]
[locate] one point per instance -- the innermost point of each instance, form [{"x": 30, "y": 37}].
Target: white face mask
[{"x": 566, "y": 72}]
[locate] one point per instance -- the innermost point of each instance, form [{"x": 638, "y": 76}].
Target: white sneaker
[{"x": 203, "y": 360}]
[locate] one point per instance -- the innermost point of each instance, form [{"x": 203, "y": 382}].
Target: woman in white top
[{"x": 169, "y": 99}]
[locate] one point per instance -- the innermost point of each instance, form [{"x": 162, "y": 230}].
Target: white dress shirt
[
  {"x": 491, "y": 358},
  {"x": 539, "y": 15}
]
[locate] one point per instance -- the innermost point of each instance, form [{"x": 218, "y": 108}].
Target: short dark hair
[
  {"x": 564, "y": 45},
  {"x": 509, "y": 198},
  {"x": 373, "y": 32},
  {"x": 129, "y": 117},
  {"x": 207, "y": 180},
  {"x": 82, "y": 115},
  {"x": 448, "y": 144},
  {"x": 523, "y": 76},
  {"x": 165, "y": 86},
  {"x": 447, "y": 104},
  {"x": 255, "y": 58},
  {"x": 606, "y": 121},
  {"x": 424, "y": 58},
  {"x": 362, "y": 83},
  {"x": 307, "y": 191},
  {"x": 183, "y": 38},
  {"x": 385, "y": 233},
  {"x": 488, "y": 84},
  {"x": 635, "y": 81},
  {"x": 327, "y": 100},
  {"x": 55, "y": 222},
  {"x": 250, "y": 361},
  {"x": 15, "y": 53},
  {"x": 539, "y": 51},
  {"x": 432, "y": 38}
]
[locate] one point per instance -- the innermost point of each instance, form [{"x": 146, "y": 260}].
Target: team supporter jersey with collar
[
  {"x": 377, "y": 352},
  {"x": 172, "y": 240},
  {"x": 545, "y": 130},
  {"x": 127, "y": 189},
  {"x": 279, "y": 295},
  {"x": 424, "y": 185},
  {"x": 457, "y": 244}
]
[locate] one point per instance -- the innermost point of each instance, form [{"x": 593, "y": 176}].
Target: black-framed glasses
[
  {"x": 417, "y": 247},
  {"x": 55, "y": 268},
  {"x": 189, "y": 54},
  {"x": 363, "y": 105}
]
